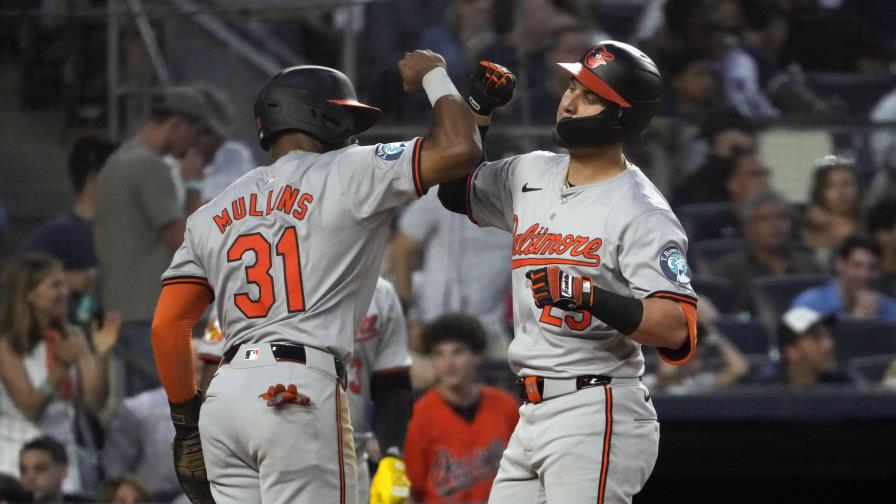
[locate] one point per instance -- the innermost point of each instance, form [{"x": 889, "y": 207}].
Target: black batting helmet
[
  {"x": 315, "y": 100},
  {"x": 627, "y": 80}
]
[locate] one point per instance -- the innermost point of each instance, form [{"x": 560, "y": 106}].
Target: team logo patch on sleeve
[
  {"x": 390, "y": 151},
  {"x": 675, "y": 265}
]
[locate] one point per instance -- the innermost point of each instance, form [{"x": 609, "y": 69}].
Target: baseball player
[
  {"x": 290, "y": 253},
  {"x": 377, "y": 376},
  {"x": 598, "y": 270}
]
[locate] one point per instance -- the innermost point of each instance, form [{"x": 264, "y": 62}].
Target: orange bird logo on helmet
[{"x": 598, "y": 56}]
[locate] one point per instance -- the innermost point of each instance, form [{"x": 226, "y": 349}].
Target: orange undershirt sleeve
[
  {"x": 179, "y": 308},
  {"x": 681, "y": 355}
]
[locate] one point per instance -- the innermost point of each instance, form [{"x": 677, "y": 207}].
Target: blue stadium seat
[
  {"x": 749, "y": 336},
  {"x": 717, "y": 289},
  {"x": 863, "y": 338},
  {"x": 691, "y": 216},
  {"x": 869, "y": 371},
  {"x": 772, "y": 295},
  {"x": 704, "y": 253}
]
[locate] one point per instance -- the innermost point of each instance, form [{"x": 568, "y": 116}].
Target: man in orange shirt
[{"x": 459, "y": 428}]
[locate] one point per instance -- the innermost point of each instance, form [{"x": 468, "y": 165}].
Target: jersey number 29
[{"x": 259, "y": 274}]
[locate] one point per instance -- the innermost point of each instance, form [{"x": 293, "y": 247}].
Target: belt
[
  {"x": 534, "y": 389},
  {"x": 288, "y": 352}
]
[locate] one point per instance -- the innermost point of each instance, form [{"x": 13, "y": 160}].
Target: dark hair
[
  {"x": 674, "y": 62},
  {"x": 87, "y": 156},
  {"x": 12, "y": 490},
  {"x": 857, "y": 241},
  {"x": 823, "y": 169},
  {"x": 724, "y": 119},
  {"x": 51, "y": 446},
  {"x": 106, "y": 492},
  {"x": 882, "y": 215},
  {"x": 456, "y": 327}
]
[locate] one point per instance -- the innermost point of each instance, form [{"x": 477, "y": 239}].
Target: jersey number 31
[{"x": 259, "y": 274}]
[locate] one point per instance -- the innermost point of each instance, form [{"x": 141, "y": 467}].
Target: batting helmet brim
[
  {"x": 364, "y": 116},
  {"x": 595, "y": 83}
]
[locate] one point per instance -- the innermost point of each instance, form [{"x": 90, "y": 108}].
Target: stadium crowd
[{"x": 790, "y": 291}]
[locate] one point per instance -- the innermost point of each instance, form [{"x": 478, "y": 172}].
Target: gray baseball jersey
[
  {"x": 292, "y": 250},
  {"x": 381, "y": 346},
  {"x": 620, "y": 232}
]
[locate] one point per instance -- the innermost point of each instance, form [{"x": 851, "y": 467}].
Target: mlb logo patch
[{"x": 252, "y": 354}]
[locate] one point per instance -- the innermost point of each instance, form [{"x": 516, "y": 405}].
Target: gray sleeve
[
  {"x": 489, "y": 195},
  {"x": 652, "y": 256},
  {"x": 185, "y": 262},
  {"x": 420, "y": 218},
  {"x": 392, "y": 350},
  {"x": 121, "y": 447},
  {"x": 375, "y": 178},
  {"x": 153, "y": 189}
]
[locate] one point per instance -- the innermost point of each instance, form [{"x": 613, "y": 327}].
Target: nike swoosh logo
[{"x": 526, "y": 188}]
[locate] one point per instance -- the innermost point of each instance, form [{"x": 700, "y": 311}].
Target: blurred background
[{"x": 775, "y": 144}]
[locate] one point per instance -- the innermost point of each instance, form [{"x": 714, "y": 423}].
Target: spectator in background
[
  {"x": 188, "y": 171},
  {"x": 43, "y": 465},
  {"x": 673, "y": 138},
  {"x": 124, "y": 489},
  {"x": 724, "y": 133},
  {"x": 69, "y": 236},
  {"x": 745, "y": 176},
  {"x": 767, "y": 225},
  {"x": 835, "y": 205},
  {"x": 12, "y": 491},
  {"x": 882, "y": 143},
  {"x": 520, "y": 45},
  {"x": 231, "y": 161},
  {"x": 882, "y": 227},
  {"x": 139, "y": 437},
  {"x": 460, "y": 428},
  {"x": 567, "y": 43},
  {"x": 740, "y": 79},
  {"x": 764, "y": 36},
  {"x": 466, "y": 30},
  {"x": 464, "y": 268},
  {"x": 691, "y": 89},
  {"x": 851, "y": 292},
  {"x": 693, "y": 376},
  {"x": 48, "y": 372},
  {"x": 807, "y": 351},
  {"x": 140, "y": 222}
]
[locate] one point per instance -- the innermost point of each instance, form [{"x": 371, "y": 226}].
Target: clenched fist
[
  {"x": 491, "y": 86},
  {"x": 415, "y": 65}
]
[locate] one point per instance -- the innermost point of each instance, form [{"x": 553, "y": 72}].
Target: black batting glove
[
  {"x": 189, "y": 463},
  {"x": 491, "y": 86},
  {"x": 551, "y": 286}
]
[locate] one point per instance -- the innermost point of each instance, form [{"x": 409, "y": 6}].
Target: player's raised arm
[
  {"x": 452, "y": 147},
  {"x": 490, "y": 86}
]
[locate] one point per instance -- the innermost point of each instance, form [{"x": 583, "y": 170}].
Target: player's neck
[
  {"x": 290, "y": 142},
  {"x": 595, "y": 164},
  {"x": 460, "y": 395}
]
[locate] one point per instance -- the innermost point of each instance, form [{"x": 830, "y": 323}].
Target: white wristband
[{"x": 437, "y": 84}]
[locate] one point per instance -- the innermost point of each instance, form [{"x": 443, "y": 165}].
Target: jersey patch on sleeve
[
  {"x": 390, "y": 151},
  {"x": 675, "y": 265}
]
